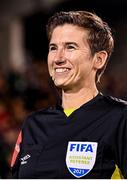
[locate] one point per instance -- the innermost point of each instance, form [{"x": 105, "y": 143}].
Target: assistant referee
[{"x": 85, "y": 136}]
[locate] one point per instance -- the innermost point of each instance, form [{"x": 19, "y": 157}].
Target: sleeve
[
  {"x": 15, "y": 162},
  {"x": 121, "y": 144}
]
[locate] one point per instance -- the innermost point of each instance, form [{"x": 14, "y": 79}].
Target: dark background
[{"x": 112, "y": 11}]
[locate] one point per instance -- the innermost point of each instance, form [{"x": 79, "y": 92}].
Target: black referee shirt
[{"x": 46, "y": 135}]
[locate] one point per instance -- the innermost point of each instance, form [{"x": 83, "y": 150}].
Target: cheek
[
  {"x": 85, "y": 60},
  {"x": 49, "y": 65},
  {"x": 70, "y": 55},
  {"x": 49, "y": 60}
]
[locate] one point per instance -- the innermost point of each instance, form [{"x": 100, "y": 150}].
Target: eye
[
  {"x": 70, "y": 47},
  {"x": 52, "y": 48}
]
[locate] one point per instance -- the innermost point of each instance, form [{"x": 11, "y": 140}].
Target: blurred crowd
[{"x": 22, "y": 93}]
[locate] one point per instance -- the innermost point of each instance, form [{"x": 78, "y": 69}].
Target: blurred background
[{"x": 25, "y": 85}]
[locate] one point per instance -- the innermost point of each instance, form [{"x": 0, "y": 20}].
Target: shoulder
[
  {"x": 115, "y": 103},
  {"x": 36, "y": 125},
  {"x": 39, "y": 116}
]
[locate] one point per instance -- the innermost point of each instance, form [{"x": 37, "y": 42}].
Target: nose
[{"x": 60, "y": 56}]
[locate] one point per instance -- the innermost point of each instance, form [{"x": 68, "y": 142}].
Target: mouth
[{"x": 62, "y": 70}]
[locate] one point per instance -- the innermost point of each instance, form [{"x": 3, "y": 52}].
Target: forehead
[{"x": 69, "y": 32}]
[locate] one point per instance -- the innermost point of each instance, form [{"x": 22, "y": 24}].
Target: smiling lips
[{"x": 61, "y": 70}]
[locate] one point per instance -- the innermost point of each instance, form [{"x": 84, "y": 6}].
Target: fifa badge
[{"x": 80, "y": 157}]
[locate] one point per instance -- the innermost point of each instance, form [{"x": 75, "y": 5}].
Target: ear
[{"x": 100, "y": 59}]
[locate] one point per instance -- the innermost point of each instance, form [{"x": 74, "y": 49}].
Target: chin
[
  {"x": 58, "y": 85},
  {"x": 61, "y": 83},
  {"x": 58, "y": 82}
]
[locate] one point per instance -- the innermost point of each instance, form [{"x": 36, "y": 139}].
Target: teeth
[{"x": 60, "y": 70}]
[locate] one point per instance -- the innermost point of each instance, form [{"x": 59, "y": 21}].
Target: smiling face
[{"x": 70, "y": 61}]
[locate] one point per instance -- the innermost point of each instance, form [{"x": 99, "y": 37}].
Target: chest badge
[{"x": 80, "y": 157}]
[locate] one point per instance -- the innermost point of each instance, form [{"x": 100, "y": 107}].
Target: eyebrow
[
  {"x": 66, "y": 43},
  {"x": 73, "y": 43},
  {"x": 52, "y": 44}
]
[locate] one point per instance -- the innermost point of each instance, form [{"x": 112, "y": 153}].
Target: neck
[{"x": 76, "y": 99}]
